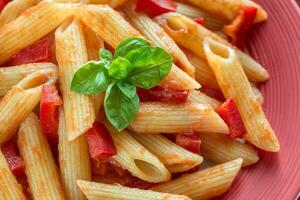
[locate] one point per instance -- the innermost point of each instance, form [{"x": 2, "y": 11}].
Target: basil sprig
[{"x": 134, "y": 64}]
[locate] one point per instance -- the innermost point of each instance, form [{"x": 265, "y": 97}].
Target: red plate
[{"x": 276, "y": 44}]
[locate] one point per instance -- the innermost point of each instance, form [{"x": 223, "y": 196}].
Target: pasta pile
[{"x": 57, "y": 130}]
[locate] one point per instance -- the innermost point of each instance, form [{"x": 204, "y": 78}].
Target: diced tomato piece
[
  {"x": 101, "y": 144},
  {"x": 241, "y": 25},
  {"x": 214, "y": 93},
  {"x": 190, "y": 141},
  {"x": 11, "y": 154},
  {"x": 50, "y": 101},
  {"x": 22, "y": 180},
  {"x": 40, "y": 51},
  {"x": 199, "y": 20},
  {"x": 3, "y": 4},
  {"x": 155, "y": 7},
  {"x": 162, "y": 95},
  {"x": 230, "y": 114}
]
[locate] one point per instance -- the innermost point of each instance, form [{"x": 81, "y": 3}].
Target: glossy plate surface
[{"x": 276, "y": 44}]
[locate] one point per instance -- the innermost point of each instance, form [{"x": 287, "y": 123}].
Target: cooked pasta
[{"x": 201, "y": 98}]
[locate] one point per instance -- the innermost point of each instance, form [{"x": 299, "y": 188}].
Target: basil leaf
[
  {"x": 151, "y": 65},
  {"x": 119, "y": 109},
  {"x": 105, "y": 54},
  {"x": 120, "y": 68},
  {"x": 130, "y": 44},
  {"x": 127, "y": 89},
  {"x": 91, "y": 78}
]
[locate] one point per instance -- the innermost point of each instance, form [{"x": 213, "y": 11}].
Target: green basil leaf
[
  {"x": 127, "y": 89},
  {"x": 151, "y": 65},
  {"x": 119, "y": 109},
  {"x": 130, "y": 44},
  {"x": 120, "y": 68},
  {"x": 105, "y": 54},
  {"x": 91, "y": 78}
]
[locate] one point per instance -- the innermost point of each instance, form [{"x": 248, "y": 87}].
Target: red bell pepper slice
[
  {"x": 11, "y": 154},
  {"x": 101, "y": 144},
  {"x": 3, "y": 3},
  {"x": 200, "y": 21},
  {"x": 230, "y": 114},
  {"x": 162, "y": 95},
  {"x": 50, "y": 101},
  {"x": 155, "y": 7},
  {"x": 40, "y": 51},
  {"x": 241, "y": 25},
  {"x": 190, "y": 141}
]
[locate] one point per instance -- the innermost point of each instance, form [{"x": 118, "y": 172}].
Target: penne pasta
[
  {"x": 174, "y": 157},
  {"x": 93, "y": 43},
  {"x": 74, "y": 160},
  {"x": 31, "y": 26},
  {"x": 201, "y": 98},
  {"x": 258, "y": 94},
  {"x": 20, "y": 101},
  {"x": 9, "y": 186},
  {"x": 190, "y": 35},
  {"x": 71, "y": 53},
  {"x": 227, "y": 9},
  {"x": 93, "y": 191},
  {"x": 14, "y": 9},
  {"x": 152, "y": 31},
  {"x": 204, "y": 184},
  {"x": 226, "y": 65},
  {"x": 112, "y": 3},
  {"x": 203, "y": 72},
  {"x": 41, "y": 171},
  {"x": 154, "y": 118},
  {"x": 10, "y": 76},
  {"x": 110, "y": 26},
  {"x": 211, "y": 22},
  {"x": 137, "y": 159},
  {"x": 221, "y": 148}
]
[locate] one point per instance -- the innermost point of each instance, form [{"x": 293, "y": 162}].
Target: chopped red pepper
[
  {"x": 155, "y": 7},
  {"x": 3, "y": 4},
  {"x": 241, "y": 25},
  {"x": 162, "y": 95},
  {"x": 40, "y": 51},
  {"x": 15, "y": 162},
  {"x": 214, "y": 93},
  {"x": 200, "y": 21},
  {"x": 230, "y": 114},
  {"x": 50, "y": 101},
  {"x": 101, "y": 144},
  {"x": 190, "y": 141}
]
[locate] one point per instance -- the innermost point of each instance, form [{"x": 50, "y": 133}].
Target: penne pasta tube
[
  {"x": 31, "y": 26},
  {"x": 9, "y": 186},
  {"x": 93, "y": 43},
  {"x": 228, "y": 9},
  {"x": 221, "y": 148},
  {"x": 174, "y": 157},
  {"x": 71, "y": 53},
  {"x": 113, "y": 28},
  {"x": 179, "y": 80},
  {"x": 258, "y": 94},
  {"x": 93, "y": 190},
  {"x": 211, "y": 22},
  {"x": 14, "y": 9},
  {"x": 190, "y": 35},
  {"x": 154, "y": 118},
  {"x": 234, "y": 84},
  {"x": 20, "y": 101},
  {"x": 10, "y": 76},
  {"x": 204, "y": 184},
  {"x": 152, "y": 31},
  {"x": 74, "y": 160},
  {"x": 137, "y": 159},
  {"x": 41, "y": 171},
  {"x": 112, "y": 3},
  {"x": 201, "y": 98},
  {"x": 203, "y": 72}
]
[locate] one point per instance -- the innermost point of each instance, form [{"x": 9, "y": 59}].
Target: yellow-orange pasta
[{"x": 235, "y": 85}]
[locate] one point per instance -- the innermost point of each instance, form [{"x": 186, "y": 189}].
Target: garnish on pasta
[{"x": 135, "y": 63}]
